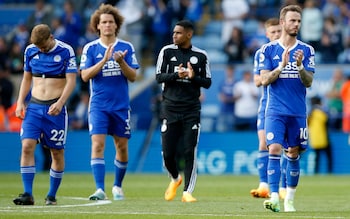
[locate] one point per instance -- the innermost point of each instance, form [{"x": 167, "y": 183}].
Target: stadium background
[{"x": 219, "y": 153}]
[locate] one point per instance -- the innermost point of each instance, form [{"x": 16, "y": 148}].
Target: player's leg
[
  {"x": 191, "y": 131},
  {"x": 29, "y": 136},
  {"x": 121, "y": 164},
  {"x": 27, "y": 172},
  {"x": 275, "y": 132},
  {"x": 98, "y": 165},
  {"x": 56, "y": 174},
  {"x": 292, "y": 176},
  {"x": 170, "y": 133},
  {"x": 120, "y": 128},
  {"x": 98, "y": 129},
  {"x": 329, "y": 158},
  {"x": 297, "y": 140},
  {"x": 283, "y": 187},
  {"x": 263, "y": 157},
  {"x": 54, "y": 135}
]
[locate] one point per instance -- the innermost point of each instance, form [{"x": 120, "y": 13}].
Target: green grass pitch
[{"x": 224, "y": 196}]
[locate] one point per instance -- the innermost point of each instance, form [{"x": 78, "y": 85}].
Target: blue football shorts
[
  {"x": 51, "y": 131},
  {"x": 260, "y": 122},
  {"x": 110, "y": 123},
  {"x": 286, "y": 130}
]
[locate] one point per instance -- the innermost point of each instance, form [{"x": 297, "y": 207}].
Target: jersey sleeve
[
  {"x": 309, "y": 59},
  {"x": 86, "y": 61},
  {"x": 256, "y": 63},
  {"x": 264, "y": 62},
  {"x": 72, "y": 61},
  {"x": 130, "y": 58}
]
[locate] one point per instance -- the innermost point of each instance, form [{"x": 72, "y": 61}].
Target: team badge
[
  {"x": 270, "y": 136},
  {"x": 57, "y": 58},
  {"x": 193, "y": 60}
]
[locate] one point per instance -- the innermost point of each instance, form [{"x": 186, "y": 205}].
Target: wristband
[
  {"x": 280, "y": 67},
  {"x": 300, "y": 67}
]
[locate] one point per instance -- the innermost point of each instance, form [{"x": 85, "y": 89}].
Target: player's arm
[
  {"x": 128, "y": 72},
  {"x": 87, "y": 74},
  {"x": 257, "y": 80},
  {"x": 306, "y": 77},
  {"x": 23, "y": 92},
  {"x": 268, "y": 77},
  {"x": 203, "y": 78},
  {"x": 68, "y": 88},
  {"x": 56, "y": 107},
  {"x": 163, "y": 73}
]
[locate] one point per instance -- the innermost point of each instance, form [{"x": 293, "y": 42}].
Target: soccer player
[
  {"x": 287, "y": 67},
  {"x": 108, "y": 63},
  {"x": 50, "y": 75},
  {"x": 182, "y": 69},
  {"x": 273, "y": 32}
]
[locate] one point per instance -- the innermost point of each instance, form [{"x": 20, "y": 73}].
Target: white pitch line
[
  {"x": 105, "y": 202},
  {"x": 91, "y": 203},
  {"x": 277, "y": 215}
]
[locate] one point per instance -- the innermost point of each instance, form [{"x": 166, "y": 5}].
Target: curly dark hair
[{"x": 106, "y": 9}]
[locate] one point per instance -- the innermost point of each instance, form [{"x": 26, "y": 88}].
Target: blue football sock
[
  {"x": 293, "y": 171},
  {"x": 28, "y": 173},
  {"x": 284, "y": 172},
  {"x": 120, "y": 170},
  {"x": 274, "y": 172},
  {"x": 263, "y": 159},
  {"x": 55, "y": 181},
  {"x": 98, "y": 171}
]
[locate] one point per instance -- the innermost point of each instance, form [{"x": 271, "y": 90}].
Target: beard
[{"x": 293, "y": 33}]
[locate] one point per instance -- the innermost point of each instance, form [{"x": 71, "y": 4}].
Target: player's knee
[{"x": 293, "y": 152}]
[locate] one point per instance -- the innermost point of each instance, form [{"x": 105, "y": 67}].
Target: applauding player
[
  {"x": 287, "y": 66},
  {"x": 109, "y": 63}
]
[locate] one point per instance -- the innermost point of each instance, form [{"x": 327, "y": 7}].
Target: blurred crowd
[{"x": 148, "y": 25}]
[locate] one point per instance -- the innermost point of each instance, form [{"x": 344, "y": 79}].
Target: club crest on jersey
[
  {"x": 270, "y": 136},
  {"x": 193, "y": 60},
  {"x": 57, "y": 58}
]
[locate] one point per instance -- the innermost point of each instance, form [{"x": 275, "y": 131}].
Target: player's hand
[
  {"x": 108, "y": 52},
  {"x": 182, "y": 71},
  {"x": 285, "y": 57},
  {"x": 119, "y": 55},
  {"x": 55, "y": 109},
  {"x": 190, "y": 71},
  {"x": 20, "y": 111},
  {"x": 298, "y": 56}
]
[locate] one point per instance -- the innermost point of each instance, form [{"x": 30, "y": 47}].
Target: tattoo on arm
[
  {"x": 269, "y": 77},
  {"x": 306, "y": 77}
]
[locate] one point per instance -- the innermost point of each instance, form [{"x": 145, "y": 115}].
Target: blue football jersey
[
  {"x": 58, "y": 61},
  {"x": 109, "y": 88},
  {"x": 286, "y": 95}
]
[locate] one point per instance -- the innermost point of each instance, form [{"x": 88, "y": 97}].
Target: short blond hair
[
  {"x": 40, "y": 33},
  {"x": 271, "y": 22}
]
